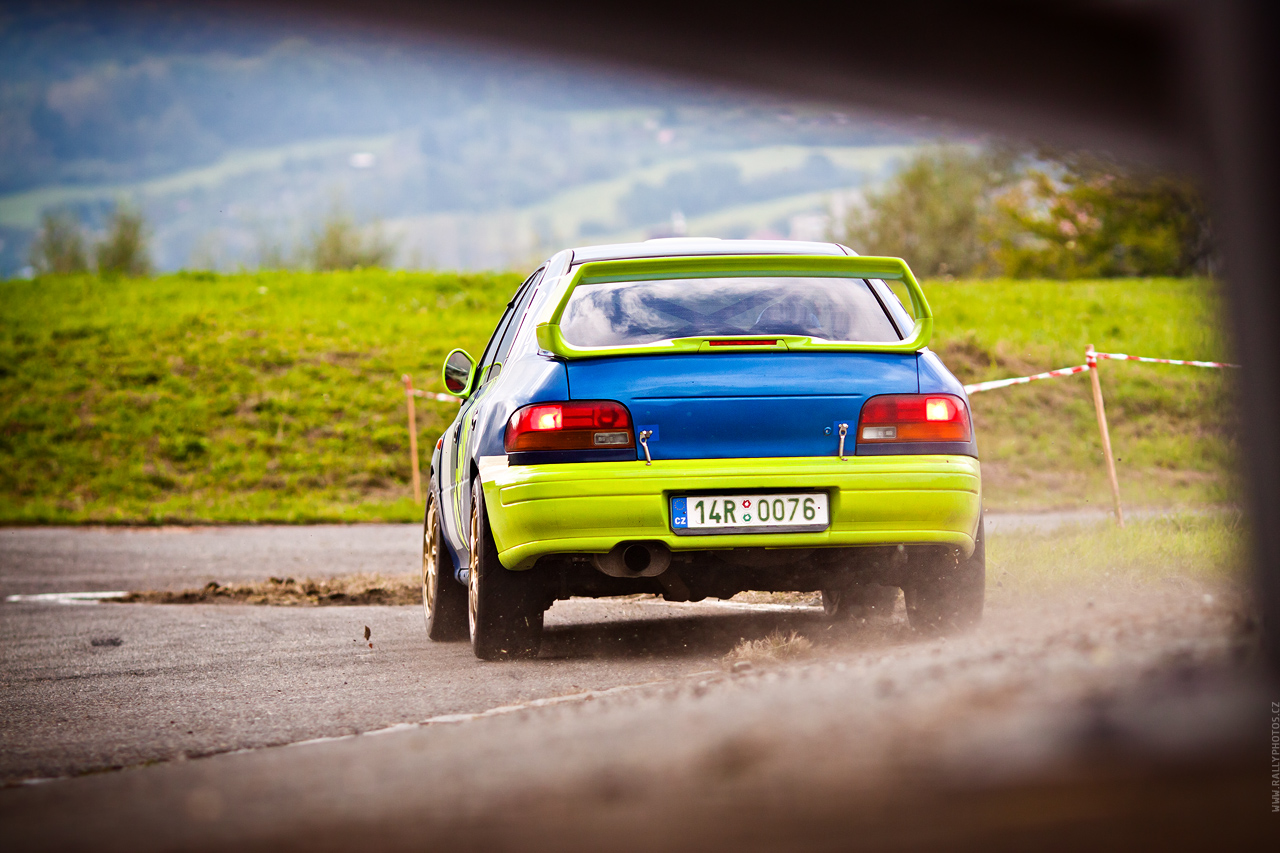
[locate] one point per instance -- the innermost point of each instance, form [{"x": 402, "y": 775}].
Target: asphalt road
[
  {"x": 91, "y": 687},
  {"x": 69, "y": 559},
  {"x": 85, "y": 688},
  {"x": 1055, "y": 717}
]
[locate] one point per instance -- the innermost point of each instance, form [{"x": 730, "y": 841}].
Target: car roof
[{"x": 686, "y": 246}]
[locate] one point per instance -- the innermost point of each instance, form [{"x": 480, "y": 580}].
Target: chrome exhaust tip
[{"x": 634, "y": 560}]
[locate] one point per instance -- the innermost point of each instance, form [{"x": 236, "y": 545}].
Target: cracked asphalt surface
[{"x": 1140, "y": 718}]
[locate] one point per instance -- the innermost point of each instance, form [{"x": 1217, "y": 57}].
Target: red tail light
[
  {"x": 584, "y": 425},
  {"x": 914, "y": 417}
]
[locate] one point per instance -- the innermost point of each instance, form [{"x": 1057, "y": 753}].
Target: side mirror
[{"x": 459, "y": 370}]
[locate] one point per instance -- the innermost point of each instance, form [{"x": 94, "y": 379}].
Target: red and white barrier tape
[
  {"x": 443, "y": 398},
  {"x": 1091, "y": 360},
  {"x": 1022, "y": 380},
  {"x": 1119, "y": 356}
]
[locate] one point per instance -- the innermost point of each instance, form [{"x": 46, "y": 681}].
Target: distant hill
[{"x": 236, "y": 138}]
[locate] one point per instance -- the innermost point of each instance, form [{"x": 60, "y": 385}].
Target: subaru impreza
[{"x": 694, "y": 418}]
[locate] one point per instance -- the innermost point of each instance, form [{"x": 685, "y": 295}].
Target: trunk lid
[{"x": 744, "y": 405}]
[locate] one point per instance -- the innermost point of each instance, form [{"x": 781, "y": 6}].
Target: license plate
[{"x": 694, "y": 515}]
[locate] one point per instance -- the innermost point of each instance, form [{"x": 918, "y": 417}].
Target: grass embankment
[
  {"x": 277, "y": 397},
  {"x": 267, "y": 397}
]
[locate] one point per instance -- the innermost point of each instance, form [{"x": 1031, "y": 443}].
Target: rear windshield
[{"x": 640, "y": 312}]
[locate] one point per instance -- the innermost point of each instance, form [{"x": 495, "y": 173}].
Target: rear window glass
[{"x": 640, "y": 312}]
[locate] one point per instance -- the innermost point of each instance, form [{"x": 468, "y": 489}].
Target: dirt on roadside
[{"x": 354, "y": 589}]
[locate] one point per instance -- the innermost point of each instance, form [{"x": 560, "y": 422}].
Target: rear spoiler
[{"x": 551, "y": 339}]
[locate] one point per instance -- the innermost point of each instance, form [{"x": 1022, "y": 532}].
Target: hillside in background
[
  {"x": 235, "y": 142},
  {"x": 277, "y": 396}
]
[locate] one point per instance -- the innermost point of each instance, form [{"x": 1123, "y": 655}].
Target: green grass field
[
  {"x": 1207, "y": 550},
  {"x": 1172, "y": 428},
  {"x": 276, "y": 396},
  {"x": 272, "y": 397}
]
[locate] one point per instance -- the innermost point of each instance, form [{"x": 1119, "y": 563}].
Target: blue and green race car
[{"x": 695, "y": 418}]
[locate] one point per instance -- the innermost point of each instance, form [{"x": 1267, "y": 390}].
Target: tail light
[
  {"x": 577, "y": 425},
  {"x": 914, "y": 417}
]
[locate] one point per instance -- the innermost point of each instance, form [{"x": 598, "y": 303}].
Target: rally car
[{"x": 694, "y": 418}]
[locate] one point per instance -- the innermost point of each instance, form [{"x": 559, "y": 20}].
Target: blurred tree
[
  {"x": 1085, "y": 216},
  {"x": 1045, "y": 214},
  {"x": 934, "y": 213},
  {"x": 341, "y": 245},
  {"x": 123, "y": 250},
  {"x": 59, "y": 246},
  {"x": 270, "y": 253}
]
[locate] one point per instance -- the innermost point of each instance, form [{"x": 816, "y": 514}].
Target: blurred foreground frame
[{"x": 1183, "y": 85}]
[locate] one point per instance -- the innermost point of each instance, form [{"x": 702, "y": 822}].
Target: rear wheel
[
  {"x": 945, "y": 595},
  {"x": 444, "y": 600},
  {"x": 504, "y": 608}
]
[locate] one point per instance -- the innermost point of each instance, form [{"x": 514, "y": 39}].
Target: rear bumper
[{"x": 535, "y": 510}]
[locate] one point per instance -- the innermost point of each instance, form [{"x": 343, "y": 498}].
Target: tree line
[
  {"x": 63, "y": 247},
  {"x": 1038, "y": 213},
  {"x": 951, "y": 211}
]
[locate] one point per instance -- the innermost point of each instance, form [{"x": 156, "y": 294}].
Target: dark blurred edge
[{"x": 1188, "y": 85}]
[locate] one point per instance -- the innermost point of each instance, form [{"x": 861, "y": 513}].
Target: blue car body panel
[
  {"x": 744, "y": 405},
  {"x": 935, "y": 378}
]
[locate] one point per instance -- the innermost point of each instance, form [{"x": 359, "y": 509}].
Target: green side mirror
[{"x": 459, "y": 370}]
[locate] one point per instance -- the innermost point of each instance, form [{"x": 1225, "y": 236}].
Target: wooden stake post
[
  {"x": 413, "y": 438},
  {"x": 1092, "y": 361}
]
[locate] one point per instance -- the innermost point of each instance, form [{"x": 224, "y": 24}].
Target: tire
[
  {"x": 945, "y": 595},
  {"x": 842, "y": 604},
  {"x": 444, "y": 600},
  {"x": 504, "y": 608}
]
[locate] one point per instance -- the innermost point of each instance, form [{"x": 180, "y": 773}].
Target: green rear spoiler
[{"x": 551, "y": 339}]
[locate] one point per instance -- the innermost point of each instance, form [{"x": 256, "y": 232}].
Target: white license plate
[{"x": 781, "y": 513}]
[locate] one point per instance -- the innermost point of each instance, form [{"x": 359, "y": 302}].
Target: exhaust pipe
[{"x": 634, "y": 560}]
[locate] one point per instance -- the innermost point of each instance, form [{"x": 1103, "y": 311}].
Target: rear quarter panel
[
  {"x": 935, "y": 378},
  {"x": 524, "y": 379}
]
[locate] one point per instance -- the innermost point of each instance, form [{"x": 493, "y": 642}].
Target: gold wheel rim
[
  {"x": 473, "y": 576},
  {"x": 430, "y": 560}
]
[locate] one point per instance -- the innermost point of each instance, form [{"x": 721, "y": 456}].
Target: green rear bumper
[{"x": 589, "y": 507}]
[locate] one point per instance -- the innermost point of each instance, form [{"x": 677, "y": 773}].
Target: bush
[
  {"x": 59, "y": 246},
  {"x": 123, "y": 251},
  {"x": 341, "y": 245},
  {"x": 1087, "y": 217}
]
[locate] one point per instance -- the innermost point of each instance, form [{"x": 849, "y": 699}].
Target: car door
[{"x": 458, "y": 464}]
